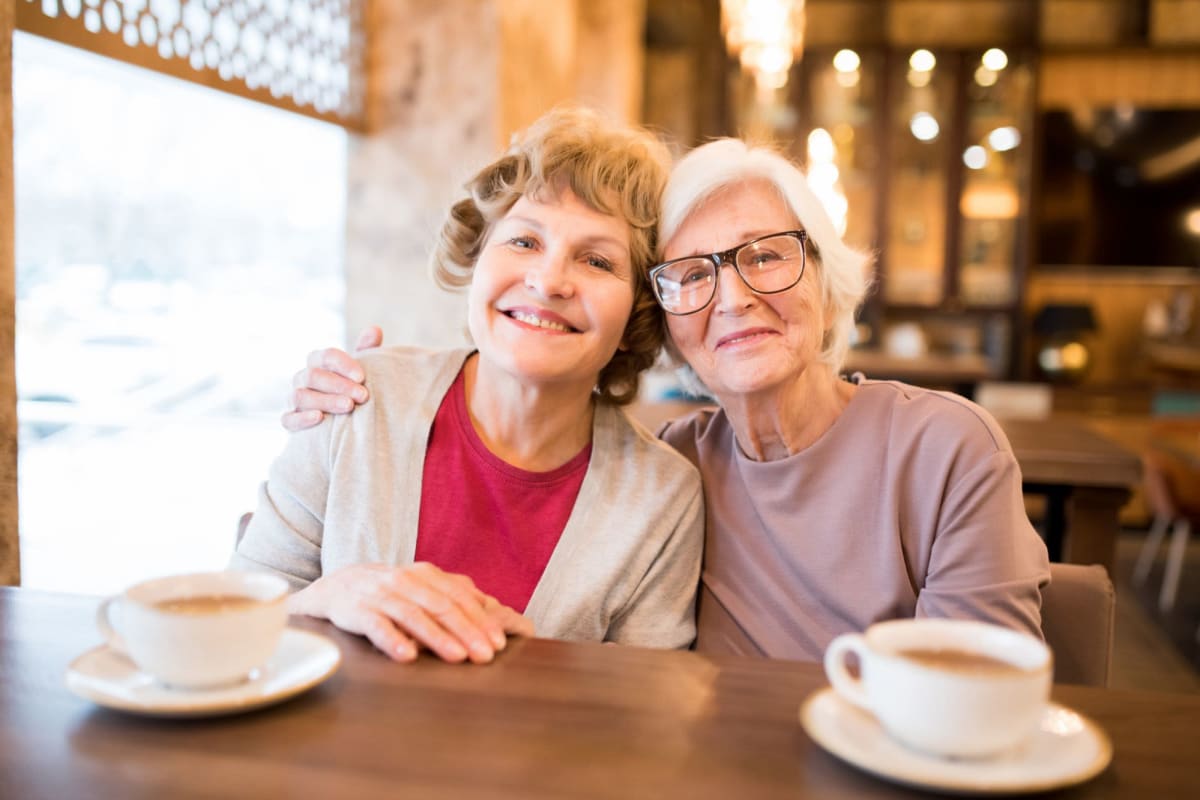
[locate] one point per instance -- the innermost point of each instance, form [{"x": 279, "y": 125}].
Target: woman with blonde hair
[{"x": 501, "y": 488}]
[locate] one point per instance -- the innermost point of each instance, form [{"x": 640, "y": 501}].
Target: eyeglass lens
[{"x": 766, "y": 265}]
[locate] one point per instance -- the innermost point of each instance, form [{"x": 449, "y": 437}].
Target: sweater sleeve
[
  {"x": 987, "y": 562},
  {"x": 661, "y": 611},
  {"x": 285, "y": 533}
]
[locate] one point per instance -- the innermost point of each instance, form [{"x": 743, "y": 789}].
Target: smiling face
[
  {"x": 745, "y": 343},
  {"x": 551, "y": 291}
]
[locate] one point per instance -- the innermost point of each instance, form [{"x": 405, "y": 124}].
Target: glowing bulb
[
  {"x": 918, "y": 80},
  {"x": 848, "y": 80},
  {"x": 995, "y": 59},
  {"x": 1005, "y": 138},
  {"x": 846, "y": 61},
  {"x": 820, "y": 147},
  {"x": 922, "y": 60},
  {"x": 1191, "y": 222},
  {"x": 924, "y": 126},
  {"x": 985, "y": 76},
  {"x": 975, "y": 157}
]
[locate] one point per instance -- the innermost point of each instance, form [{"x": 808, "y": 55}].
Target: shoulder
[
  {"x": 901, "y": 411},
  {"x": 639, "y": 451},
  {"x": 685, "y": 433},
  {"x": 410, "y": 364}
]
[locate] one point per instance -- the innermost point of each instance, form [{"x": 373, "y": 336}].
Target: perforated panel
[{"x": 305, "y": 55}]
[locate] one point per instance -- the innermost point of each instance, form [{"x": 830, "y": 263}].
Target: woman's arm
[
  {"x": 987, "y": 561},
  {"x": 399, "y": 608},
  {"x": 661, "y": 612}
]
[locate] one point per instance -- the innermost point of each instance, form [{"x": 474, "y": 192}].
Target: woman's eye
[
  {"x": 523, "y": 242},
  {"x": 763, "y": 257},
  {"x": 600, "y": 263}
]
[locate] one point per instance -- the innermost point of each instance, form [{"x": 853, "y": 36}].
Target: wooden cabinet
[{"x": 924, "y": 156}]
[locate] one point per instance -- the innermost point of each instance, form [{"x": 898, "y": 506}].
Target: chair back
[{"x": 1078, "y": 613}]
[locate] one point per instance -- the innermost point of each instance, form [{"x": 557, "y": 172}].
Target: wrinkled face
[
  {"x": 743, "y": 342},
  {"x": 552, "y": 291}
]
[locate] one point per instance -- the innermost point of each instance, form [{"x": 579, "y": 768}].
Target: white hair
[{"x": 841, "y": 272}]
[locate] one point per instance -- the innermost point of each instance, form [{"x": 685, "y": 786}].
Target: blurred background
[{"x": 202, "y": 191}]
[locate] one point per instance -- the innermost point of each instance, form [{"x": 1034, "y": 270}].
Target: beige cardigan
[{"x": 349, "y": 491}]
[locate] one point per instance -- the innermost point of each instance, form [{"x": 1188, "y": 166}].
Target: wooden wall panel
[{"x": 10, "y": 551}]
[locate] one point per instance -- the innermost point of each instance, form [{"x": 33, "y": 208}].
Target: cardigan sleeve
[
  {"x": 661, "y": 611},
  {"x": 285, "y": 533}
]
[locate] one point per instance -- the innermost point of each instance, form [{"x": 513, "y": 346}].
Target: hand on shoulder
[{"x": 330, "y": 383}]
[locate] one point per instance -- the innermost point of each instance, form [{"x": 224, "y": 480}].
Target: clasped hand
[{"x": 402, "y": 608}]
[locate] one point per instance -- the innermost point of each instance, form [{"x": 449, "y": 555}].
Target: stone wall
[
  {"x": 433, "y": 111},
  {"x": 449, "y": 84}
]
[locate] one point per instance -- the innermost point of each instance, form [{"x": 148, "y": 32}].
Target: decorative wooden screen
[{"x": 302, "y": 55}]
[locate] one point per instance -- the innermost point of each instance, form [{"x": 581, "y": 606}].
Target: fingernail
[
  {"x": 344, "y": 404},
  {"x": 355, "y": 375},
  {"x": 361, "y": 395},
  {"x": 406, "y": 651},
  {"x": 498, "y": 640},
  {"x": 456, "y": 651},
  {"x": 481, "y": 652}
]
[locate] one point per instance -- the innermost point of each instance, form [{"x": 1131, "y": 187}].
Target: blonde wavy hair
[{"x": 616, "y": 170}]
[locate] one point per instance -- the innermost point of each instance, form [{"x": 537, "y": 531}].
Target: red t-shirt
[{"x": 485, "y": 518}]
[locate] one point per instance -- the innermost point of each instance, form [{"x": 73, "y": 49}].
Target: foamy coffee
[
  {"x": 962, "y": 661},
  {"x": 206, "y": 604}
]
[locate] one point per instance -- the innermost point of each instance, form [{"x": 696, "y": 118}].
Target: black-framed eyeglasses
[{"x": 768, "y": 265}]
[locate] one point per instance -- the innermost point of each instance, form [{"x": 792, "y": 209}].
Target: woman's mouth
[
  {"x": 543, "y": 321},
  {"x": 743, "y": 337}
]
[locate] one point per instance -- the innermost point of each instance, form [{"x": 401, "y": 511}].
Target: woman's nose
[
  {"x": 733, "y": 295},
  {"x": 550, "y": 275}
]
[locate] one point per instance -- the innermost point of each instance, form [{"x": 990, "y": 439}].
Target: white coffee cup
[
  {"x": 951, "y": 688},
  {"x": 198, "y": 631}
]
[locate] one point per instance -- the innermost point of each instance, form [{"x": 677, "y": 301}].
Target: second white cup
[{"x": 952, "y": 688}]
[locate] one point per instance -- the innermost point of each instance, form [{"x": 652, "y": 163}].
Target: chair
[
  {"x": 1172, "y": 485},
  {"x": 1078, "y": 613}
]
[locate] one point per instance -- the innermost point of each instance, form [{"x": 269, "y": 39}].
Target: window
[{"x": 178, "y": 251}]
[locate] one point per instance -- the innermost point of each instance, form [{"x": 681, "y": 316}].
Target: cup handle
[
  {"x": 114, "y": 639},
  {"x": 847, "y": 686}
]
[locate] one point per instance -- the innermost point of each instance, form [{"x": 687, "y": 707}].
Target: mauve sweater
[{"x": 909, "y": 505}]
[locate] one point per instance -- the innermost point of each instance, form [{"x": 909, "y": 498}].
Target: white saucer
[
  {"x": 108, "y": 678},
  {"x": 1067, "y": 749}
]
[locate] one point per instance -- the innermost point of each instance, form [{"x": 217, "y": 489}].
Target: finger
[
  {"x": 305, "y": 398},
  {"x": 513, "y": 622},
  {"x": 335, "y": 360},
  {"x": 414, "y": 621},
  {"x": 329, "y": 382},
  {"x": 294, "y": 421},
  {"x": 454, "y": 608},
  {"x": 382, "y": 633},
  {"x": 472, "y": 605},
  {"x": 371, "y": 336}
]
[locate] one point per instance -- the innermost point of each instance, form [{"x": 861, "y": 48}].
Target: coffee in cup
[
  {"x": 198, "y": 631},
  {"x": 952, "y": 688}
]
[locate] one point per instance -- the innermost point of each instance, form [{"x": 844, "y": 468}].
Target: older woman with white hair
[{"x": 832, "y": 503}]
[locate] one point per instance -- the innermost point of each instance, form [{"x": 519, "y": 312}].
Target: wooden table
[
  {"x": 1085, "y": 477},
  {"x": 548, "y": 719}
]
